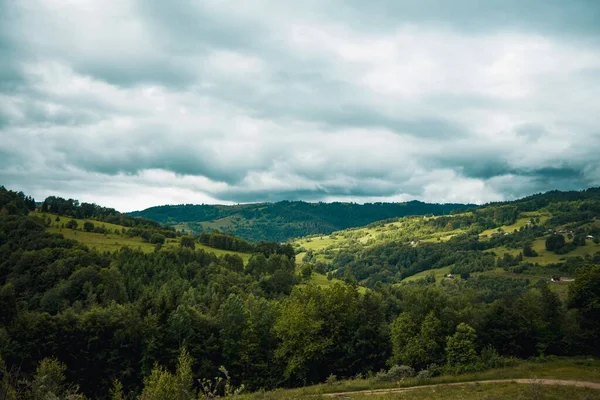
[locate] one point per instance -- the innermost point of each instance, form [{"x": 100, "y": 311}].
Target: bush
[
  {"x": 395, "y": 373},
  {"x": 490, "y": 358},
  {"x": 72, "y": 224},
  {"x": 424, "y": 374},
  {"x": 88, "y": 226}
]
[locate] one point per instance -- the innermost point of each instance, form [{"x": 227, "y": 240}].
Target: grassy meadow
[
  {"x": 577, "y": 369},
  {"x": 115, "y": 239}
]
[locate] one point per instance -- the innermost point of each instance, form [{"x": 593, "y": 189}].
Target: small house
[
  {"x": 450, "y": 276},
  {"x": 589, "y": 237}
]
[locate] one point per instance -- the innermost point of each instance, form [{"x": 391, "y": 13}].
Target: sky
[{"x": 133, "y": 103}]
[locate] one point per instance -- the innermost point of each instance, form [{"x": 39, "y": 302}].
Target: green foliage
[
  {"x": 460, "y": 347},
  {"x": 287, "y": 219},
  {"x": 555, "y": 242},
  {"x": 528, "y": 251},
  {"x": 187, "y": 241},
  {"x": 116, "y": 391},
  {"x": 15, "y": 203},
  {"x": 584, "y": 295},
  {"x": 395, "y": 373},
  {"x": 220, "y": 387},
  {"x": 162, "y": 385},
  {"x": 87, "y": 226},
  {"x": 49, "y": 381},
  {"x": 71, "y": 224},
  {"x": 124, "y": 316},
  {"x": 415, "y": 345}
]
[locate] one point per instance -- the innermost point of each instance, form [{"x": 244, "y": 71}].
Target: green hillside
[
  {"x": 154, "y": 316},
  {"x": 490, "y": 240},
  {"x": 113, "y": 237},
  {"x": 286, "y": 219}
]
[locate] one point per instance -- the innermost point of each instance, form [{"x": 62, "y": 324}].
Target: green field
[
  {"x": 115, "y": 241},
  {"x": 491, "y": 391},
  {"x": 415, "y": 231},
  {"x": 578, "y": 369},
  {"x": 439, "y": 273}
]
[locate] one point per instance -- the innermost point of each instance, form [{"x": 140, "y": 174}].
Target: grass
[
  {"x": 519, "y": 223},
  {"x": 582, "y": 369},
  {"x": 109, "y": 242},
  {"x": 114, "y": 241},
  {"x": 80, "y": 222},
  {"x": 322, "y": 281},
  {"x": 492, "y": 391},
  {"x": 440, "y": 274}
]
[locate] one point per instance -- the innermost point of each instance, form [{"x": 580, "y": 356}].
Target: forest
[
  {"x": 78, "y": 323},
  {"x": 287, "y": 219}
]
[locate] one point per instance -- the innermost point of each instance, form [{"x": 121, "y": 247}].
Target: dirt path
[{"x": 557, "y": 382}]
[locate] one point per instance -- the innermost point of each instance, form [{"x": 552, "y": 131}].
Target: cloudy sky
[{"x": 134, "y": 103}]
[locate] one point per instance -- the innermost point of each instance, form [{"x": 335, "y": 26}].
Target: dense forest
[
  {"x": 287, "y": 219},
  {"x": 78, "y": 323}
]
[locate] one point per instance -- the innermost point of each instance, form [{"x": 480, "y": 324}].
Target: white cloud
[{"x": 222, "y": 101}]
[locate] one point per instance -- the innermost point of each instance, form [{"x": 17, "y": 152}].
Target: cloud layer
[{"x": 155, "y": 102}]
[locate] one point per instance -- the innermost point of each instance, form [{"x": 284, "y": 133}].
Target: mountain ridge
[{"x": 284, "y": 220}]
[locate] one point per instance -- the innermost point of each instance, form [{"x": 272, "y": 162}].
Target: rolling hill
[
  {"x": 286, "y": 219},
  {"x": 490, "y": 241}
]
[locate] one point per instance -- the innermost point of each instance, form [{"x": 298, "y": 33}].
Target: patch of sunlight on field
[
  {"x": 316, "y": 243},
  {"x": 63, "y": 220},
  {"x": 220, "y": 252},
  {"x": 440, "y": 274},
  {"x": 101, "y": 242},
  {"x": 113, "y": 242},
  {"x": 322, "y": 281},
  {"x": 546, "y": 257}
]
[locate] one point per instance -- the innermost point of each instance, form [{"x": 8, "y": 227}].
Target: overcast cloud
[{"x": 138, "y": 103}]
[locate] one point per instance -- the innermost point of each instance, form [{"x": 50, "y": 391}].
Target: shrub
[
  {"x": 395, "y": 373},
  {"x": 72, "y": 224},
  {"x": 424, "y": 374},
  {"x": 490, "y": 358}
]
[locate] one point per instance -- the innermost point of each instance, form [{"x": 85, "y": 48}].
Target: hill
[
  {"x": 286, "y": 219},
  {"x": 501, "y": 240},
  {"x": 159, "y": 322}
]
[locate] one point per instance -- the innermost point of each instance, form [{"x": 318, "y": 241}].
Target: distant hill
[
  {"x": 287, "y": 219},
  {"x": 507, "y": 239}
]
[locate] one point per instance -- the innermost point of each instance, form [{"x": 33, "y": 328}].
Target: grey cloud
[
  {"x": 141, "y": 94},
  {"x": 576, "y": 17}
]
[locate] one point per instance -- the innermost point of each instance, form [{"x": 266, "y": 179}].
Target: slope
[{"x": 287, "y": 219}]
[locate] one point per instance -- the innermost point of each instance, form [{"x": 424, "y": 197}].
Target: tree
[
  {"x": 49, "y": 381},
  {"x": 460, "y": 347},
  {"x": 555, "y": 242},
  {"x": 7, "y": 391},
  {"x": 584, "y": 294},
  {"x": 579, "y": 239},
  {"x": 116, "y": 392},
  {"x": 528, "y": 251},
  {"x": 71, "y": 224},
  {"x": 161, "y": 384},
  {"x": 157, "y": 238},
  {"x": 414, "y": 345},
  {"x": 88, "y": 226},
  {"x": 306, "y": 271},
  {"x": 232, "y": 319},
  {"x": 187, "y": 241},
  {"x": 299, "y": 327}
]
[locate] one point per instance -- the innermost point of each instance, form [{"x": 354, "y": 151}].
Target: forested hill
[{"x": 287, "y": 219}]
